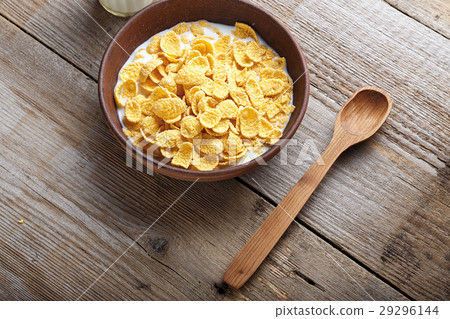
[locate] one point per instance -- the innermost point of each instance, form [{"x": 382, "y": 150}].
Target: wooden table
[{"x": 376, "y": 228}]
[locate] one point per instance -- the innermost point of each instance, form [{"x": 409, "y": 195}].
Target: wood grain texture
[
  {"x": 78, "y": 30},
  {"x": 432, "y": 13},
  {"x": 386, "y": 201},
  {"x": 63, "y": 173}
]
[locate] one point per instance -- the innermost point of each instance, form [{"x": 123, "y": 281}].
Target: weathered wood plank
[
  {"x": 347, "y": 47},
  {"x": 385, "y": 202},
  {"x": 77, "y": 30},
  {"x": 63, "y": 173},
  {"x": 433, "y": 13}
]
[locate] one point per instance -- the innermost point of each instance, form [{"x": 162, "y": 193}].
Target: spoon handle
[{"x": 258, "y": 247}]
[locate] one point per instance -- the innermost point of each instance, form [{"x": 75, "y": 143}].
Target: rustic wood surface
[{"x": 376, "y": 227}]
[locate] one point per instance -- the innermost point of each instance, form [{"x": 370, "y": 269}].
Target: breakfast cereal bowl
[{"x": 163, "y": 15}]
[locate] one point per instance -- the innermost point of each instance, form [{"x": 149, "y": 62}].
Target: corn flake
[
  {"x": 196, "y": 29},
  {"x": 205, "y": 163},
  {"x": 210, "y": 146},
  {"x": 183, "y": 158},
  {"x": 151, "y": 124},
  {"x": 133, "y": 112},
  {"x": 168, "y": 152},
  {"x": 249, "y": 122},
  {"x": 147, "y": 69},
  {"x": 265, "y": 128},
  {"x": 244, "y": 31},
  {"x": 254, "y": 51},
  {"x": 129, "y": 89},
  {"x": 221, "y": 46},
  {"x": 271, "y": 86},
  {"x": 170, "y": 44},
  {"x": 198, "y": 65},
  {"x": 117, "y": 95},
  {"x": 190, "y": 127},
  {"x": 154, "y": 45},
  {"x": 279, "y": 63},
  {"x": 189, "y": 77},
  {"x": 220, "y": 90},
  {"x": 168, "y": 138},
  {"x": 169, "y": 109},
  {"x": 228, "y": 108},
  {"x": 221, "y": 127},
  {"x": 208, "y": 48},
  {"x": 131, "y": 71},
  {"x": 169, "y": 83},
  {"x": 240, "y": 97},
  {"x": 240, "y": 55},
  {"x": 254, "y": 92},
  {"x": 181, "y": 28}
]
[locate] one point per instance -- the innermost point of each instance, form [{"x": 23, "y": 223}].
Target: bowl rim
[{"x": 222, "y": 173}]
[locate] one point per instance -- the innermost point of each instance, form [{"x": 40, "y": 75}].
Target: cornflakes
[
  {"x": 183, "y": 158},
  {"x": 131, "y": 71},
  {"x": 211, "y": 146},
  {"x": 197, "y": 30},
  {"x": 244, "y": 31},
  {"x": 198, "y": 64},
  {"x": 220, "y": 90},
  {"x": 133, "y": 112},
  {"x": 221, "y": 127},
  {"x": 240, "y": 55},
  {"x": 204, "y": 103},
  {"x": 147, "y": 69},
  {"x": 271, "y": 86},
  {"x": 168, "y": 138},
  {"x": 249, "y": 122},
  {"x": 210, "y": 118},
  {"x": 228, "y": 108},
  {"x": 169, "y": 109},
  {"x": 170, "y": 44},
  {"x": 181, "y": 28},
  {"x": 254, "y": 52},
  {"x": 265, "y": 128},
  {"x": 240, "y": 97},
  {"x": 151, "y": 124},
  {"x": 254, "y": 92},
  {"x": 168, "y": 152},
  {"x": 117, "y": 95},
  {"x": 205, "y": 163},
  {"x": 154, "y": 45},
  {"x": 221, "y": 45},
  {"x": 190, "y": 127},
  {"x": 129, "y": 89}
]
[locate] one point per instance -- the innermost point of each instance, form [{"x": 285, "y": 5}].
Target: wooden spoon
[{"x": 359, "y": 118}]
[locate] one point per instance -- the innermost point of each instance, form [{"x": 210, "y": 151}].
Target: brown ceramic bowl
[{"x": 166, "y": 14}]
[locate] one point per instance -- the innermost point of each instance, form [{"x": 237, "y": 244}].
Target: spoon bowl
[{"x": 364, "y": 113}]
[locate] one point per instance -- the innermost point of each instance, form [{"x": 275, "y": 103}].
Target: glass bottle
[{"x": 124, "y": 8}]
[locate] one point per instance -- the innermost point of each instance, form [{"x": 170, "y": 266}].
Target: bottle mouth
[{"x": 124, "y": 8}]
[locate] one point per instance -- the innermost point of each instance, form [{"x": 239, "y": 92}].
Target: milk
[{"x": 124, "y": 8}]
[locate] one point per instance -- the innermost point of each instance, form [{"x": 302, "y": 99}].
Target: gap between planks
[{"x": 48, "y": 47}]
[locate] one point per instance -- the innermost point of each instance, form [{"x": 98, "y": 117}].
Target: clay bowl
[{"x": 165, "y": 14}]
